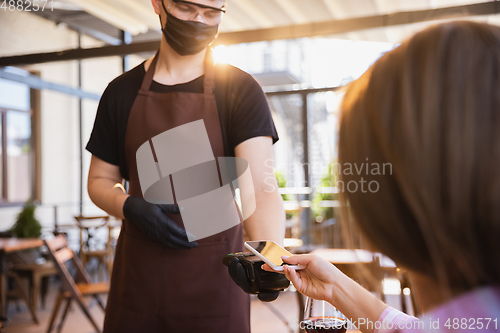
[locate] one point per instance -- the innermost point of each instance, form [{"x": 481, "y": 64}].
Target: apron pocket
[
  {"x": 198, "y": 284},
  {"x": 143, "y": 282}
]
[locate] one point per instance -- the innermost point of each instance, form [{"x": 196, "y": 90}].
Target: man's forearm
[
  {"x": 268, "y": 220},
  {"x": 107, "y": 195}
]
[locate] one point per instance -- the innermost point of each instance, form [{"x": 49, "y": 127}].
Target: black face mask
[{"x": 188, "y": 37}]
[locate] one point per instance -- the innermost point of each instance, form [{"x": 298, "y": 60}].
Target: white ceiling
[{"x": 137, "y": 16}]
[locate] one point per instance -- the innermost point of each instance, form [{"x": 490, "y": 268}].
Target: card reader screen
[{"x": 271, "y": 251}]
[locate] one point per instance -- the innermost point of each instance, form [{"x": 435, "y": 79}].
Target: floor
[
  {"x": 263, "y": 318},
  {"x": 280, "y": 316}
]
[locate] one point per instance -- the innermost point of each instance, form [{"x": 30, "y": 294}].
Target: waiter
[{"x": 161, "y": 282}]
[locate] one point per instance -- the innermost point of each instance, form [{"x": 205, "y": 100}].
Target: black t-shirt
[{"x": 241, "y": 104}]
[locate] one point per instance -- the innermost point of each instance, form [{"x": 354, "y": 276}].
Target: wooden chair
[
  {"x": 38, "y": 275},
  {"x": 89, "y": 246},
  {"x": 36, "y": 269},
  {"x": 20, "y": 292},
  {"x": 70, "y": 289}
]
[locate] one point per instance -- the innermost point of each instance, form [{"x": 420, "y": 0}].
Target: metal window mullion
[
  {"x": 305, "y": 226},
  {"x": 80, "y": 126},
  {"x": 5, "y": 185}
]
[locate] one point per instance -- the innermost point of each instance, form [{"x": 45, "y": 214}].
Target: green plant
[
  {"x": 27, "y": 226},
  {"x": 328, "y": 180},
  {"x": 281, "y": 180}
]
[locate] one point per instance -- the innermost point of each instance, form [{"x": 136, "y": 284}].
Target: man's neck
[{"x": 173, "y": 68}]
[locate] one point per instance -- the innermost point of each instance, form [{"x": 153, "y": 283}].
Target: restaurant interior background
[{"x": 301, "y": 52}]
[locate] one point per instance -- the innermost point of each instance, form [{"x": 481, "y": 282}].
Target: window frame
[{"x": 35, "y": 161}]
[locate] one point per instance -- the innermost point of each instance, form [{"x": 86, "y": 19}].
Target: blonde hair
[{"x": 431, "y": 108}]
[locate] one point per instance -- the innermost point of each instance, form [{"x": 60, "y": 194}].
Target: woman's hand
[
  {"x": 316, "y": 280},
  {"x": 323, "y": 281}
]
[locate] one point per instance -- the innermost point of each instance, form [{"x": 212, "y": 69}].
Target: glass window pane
[
  {"x": 323, "y": 123},
  {"x": 1, "y": 164},
  {"x": 289, "y": 150},
  {"x": 14, "y": 95},
  {"x": 19, "y": 155}
]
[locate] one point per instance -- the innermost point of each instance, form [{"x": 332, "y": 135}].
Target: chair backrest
[
  {"x": 61, "y": 253},
  {"x": 59, "y": 248},
  {"x": 95, "y": 223},
  {"x": 81, "y": 219}
]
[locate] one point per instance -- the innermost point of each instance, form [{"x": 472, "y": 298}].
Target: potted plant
[{"x": 27, "y": 226}]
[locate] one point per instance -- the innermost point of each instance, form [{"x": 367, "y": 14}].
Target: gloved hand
[
  {"x": 153, "y": 221},
  {"x": 245, "y": 270}
]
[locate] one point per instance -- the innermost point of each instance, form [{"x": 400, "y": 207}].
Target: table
[
  {"x": 10, "y": 245},
  {"x": 346, "y": 256}
]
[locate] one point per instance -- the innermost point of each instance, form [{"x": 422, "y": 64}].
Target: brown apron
[{"x": 159, "y": 289}]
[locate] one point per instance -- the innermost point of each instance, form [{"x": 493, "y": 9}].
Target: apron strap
[
  {"x": 208, "y": 83},
  {"x": 148, "y": 78}
]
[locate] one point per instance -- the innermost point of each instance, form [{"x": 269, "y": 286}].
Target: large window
[{"x": 16, "y": 149}]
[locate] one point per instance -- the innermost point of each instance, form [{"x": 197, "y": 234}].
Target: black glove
[
  {"x": 245, "y": 269},
  {"x": 153, "y": 221}
]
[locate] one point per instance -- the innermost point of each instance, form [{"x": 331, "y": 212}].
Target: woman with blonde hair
[{"x": 430, "y": 108}]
